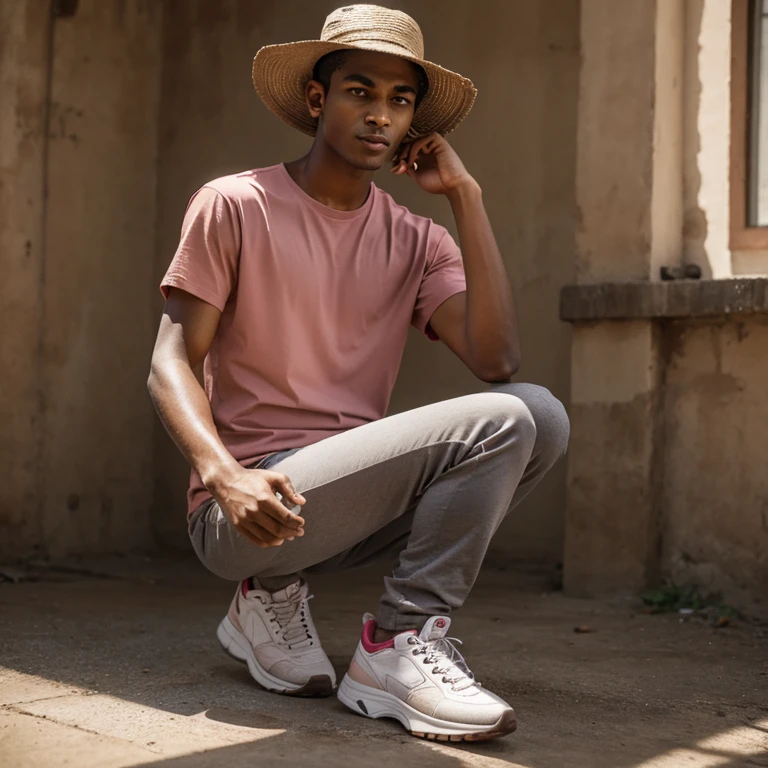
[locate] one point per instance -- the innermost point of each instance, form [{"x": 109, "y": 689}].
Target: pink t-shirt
[{"x": 316, "y": 305}]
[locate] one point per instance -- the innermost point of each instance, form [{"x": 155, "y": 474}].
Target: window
[
  {"x": 757, "y": 193},
  {"x": 749, "y": 125}
]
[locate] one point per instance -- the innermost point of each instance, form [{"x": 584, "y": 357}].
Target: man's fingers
[
  {"x": 413, "y": 153},
  {"x": 403, "y": 156},
  {"x": 264, "y": 508},
  {"x": 278, "y": 511},
  {"x": 259, "y": 535},
  {"x": 279, "y": 481},
  {"x": 409, "y": 153},
  {"x": 274, "y": 528},
  {"x": 282, "y": 484},
  {"x": 423, "y": 145},
  {"x": 289, "y": 492},
  {"x": 400, "y": 168},
  {"x": 246, "y": 530}
]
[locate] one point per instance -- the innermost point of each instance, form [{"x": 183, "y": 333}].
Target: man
[{"x": 296, "y": 284}]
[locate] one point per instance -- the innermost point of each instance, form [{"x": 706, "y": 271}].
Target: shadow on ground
[{"x": 116, "y": 663}]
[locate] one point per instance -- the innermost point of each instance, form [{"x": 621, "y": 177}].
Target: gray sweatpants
[{"x": 430, "y": 485}]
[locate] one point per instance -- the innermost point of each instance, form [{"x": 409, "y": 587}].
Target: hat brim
[{"x": 281, "y": 72}]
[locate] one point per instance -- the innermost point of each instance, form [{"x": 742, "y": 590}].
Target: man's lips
[{"x": 374, "y": 141}]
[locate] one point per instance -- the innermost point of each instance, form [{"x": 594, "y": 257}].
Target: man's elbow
[
  {"x": 155, "y": 375},
  {"x": 152, "y": 383},
  {"x": 500, "y": 372}
]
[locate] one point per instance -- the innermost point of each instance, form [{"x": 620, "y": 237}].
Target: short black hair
[{"x": 335, "y": 60}]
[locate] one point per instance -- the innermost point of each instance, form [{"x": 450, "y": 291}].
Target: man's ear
[{"x": 315, "y": 96}]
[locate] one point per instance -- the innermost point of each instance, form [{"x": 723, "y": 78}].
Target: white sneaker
[
  {"x": 421, "y": 680},
  {"x": 275, "y": 635}
]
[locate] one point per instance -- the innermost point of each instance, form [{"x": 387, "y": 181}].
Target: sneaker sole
[
  {"x": 237, "y": 646},
  {"x": 375, "y": 703}
]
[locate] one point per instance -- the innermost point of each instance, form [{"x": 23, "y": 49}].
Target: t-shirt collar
[{"x": 325, "y": 210}]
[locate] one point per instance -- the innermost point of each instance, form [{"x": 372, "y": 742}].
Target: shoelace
[
  {"x": 291, "y": 618},
  {"x": 446, "y": 658}
]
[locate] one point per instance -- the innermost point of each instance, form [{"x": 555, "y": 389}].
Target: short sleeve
[
  {"x": 206, "y": 261},
  {"x": 443, "y": 277}
]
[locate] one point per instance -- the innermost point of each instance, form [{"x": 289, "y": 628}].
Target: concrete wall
[
  {"x": 707, "y": 136},
  {"x": 715, "y": 492},
  {"x": 111, "y": 117},
  {"x": 615, "y": 140},
  {"x": 79, "y": 177},
  {"x": 24, "y": 45},
  {"x": 707, "y": 142},
  {"x": 629, "y": 222},
  {"x": 612, "y": 517},
  {"x": 519, "y": 142},
  {"x": 664, "y": 474},
  {"x": 714, "y": 525}
]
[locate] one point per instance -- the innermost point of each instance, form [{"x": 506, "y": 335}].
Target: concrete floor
[{"x": 115, "y": 663}]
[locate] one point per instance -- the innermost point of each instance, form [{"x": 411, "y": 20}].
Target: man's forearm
[
  {"x": 186, "y": 414},
  {"x": 491, "y": 322}
]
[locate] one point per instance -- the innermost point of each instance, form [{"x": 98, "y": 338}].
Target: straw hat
[{"x": 281, "y": 72}]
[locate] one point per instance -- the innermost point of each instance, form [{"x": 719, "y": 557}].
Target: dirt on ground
[{"x": 114, "y": 663}]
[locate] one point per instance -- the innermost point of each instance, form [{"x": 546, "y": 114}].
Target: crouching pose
[{"x": 296, "y": 285}]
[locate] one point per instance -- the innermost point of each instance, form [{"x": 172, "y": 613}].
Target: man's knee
[
  {"x": 549, "y": 415},
  {"x": 501, "y": 411},
  {"x": 224, "y": 552}
]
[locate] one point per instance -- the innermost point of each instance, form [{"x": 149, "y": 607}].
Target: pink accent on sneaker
[
  {"x": 359, "y": 675},
  {"x": 244, "y": 586},
  {"x": 369, "y": 645},
  {"x": 369, "y": 631},
  {"x": 233, "y": 613}
]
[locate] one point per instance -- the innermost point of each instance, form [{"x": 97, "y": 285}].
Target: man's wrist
[
  {"x": 218, "y": 475},
  {"x": 467, "y": 189}
]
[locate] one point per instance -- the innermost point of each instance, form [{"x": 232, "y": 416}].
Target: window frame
[{"x": 742, "y": 236}]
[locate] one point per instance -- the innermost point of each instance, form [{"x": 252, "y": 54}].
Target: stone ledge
[{"x": 670, "y": 299}]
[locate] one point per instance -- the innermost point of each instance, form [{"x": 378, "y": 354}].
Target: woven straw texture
[{"x": 281, "y": 72}]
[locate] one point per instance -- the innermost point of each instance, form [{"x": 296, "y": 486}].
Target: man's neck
[{"x": 330, "y": 179}]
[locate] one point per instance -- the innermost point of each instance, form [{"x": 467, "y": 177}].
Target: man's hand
[
  {"x": 249, "y": 502},
  {"x": 433, "y": 164}
]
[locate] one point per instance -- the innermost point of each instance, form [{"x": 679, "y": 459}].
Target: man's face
[{"x": 368, "y": 108}]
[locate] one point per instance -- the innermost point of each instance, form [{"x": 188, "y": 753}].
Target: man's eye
[
  {"x": 357, "y": 91},
  {"x": 402, "y": 100}
]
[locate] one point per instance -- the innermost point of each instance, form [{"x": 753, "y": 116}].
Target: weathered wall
[
  {"x": 629, "y": 223},
  {"x": 707, "y": 136},
  {"x": 615, "y": 140},
  {"x": 611, "y": 532},
  {"x": 110, "y": 119},
  {"x": 667, "y": 193},
  {"x": 77, "y": 315},
  {"x": 519, "y": 142},
  {"x": 667, "y": 416},
  {"x": 707, "y": 141},
  {"x": 715, "y": 493},
  {"x": 24, "y": 43},
  {"x": 88, "y": 166},
  {"x": 99, "y": 239}
]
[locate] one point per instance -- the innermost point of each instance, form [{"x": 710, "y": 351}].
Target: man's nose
[{"x": 378, "y": 117}]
